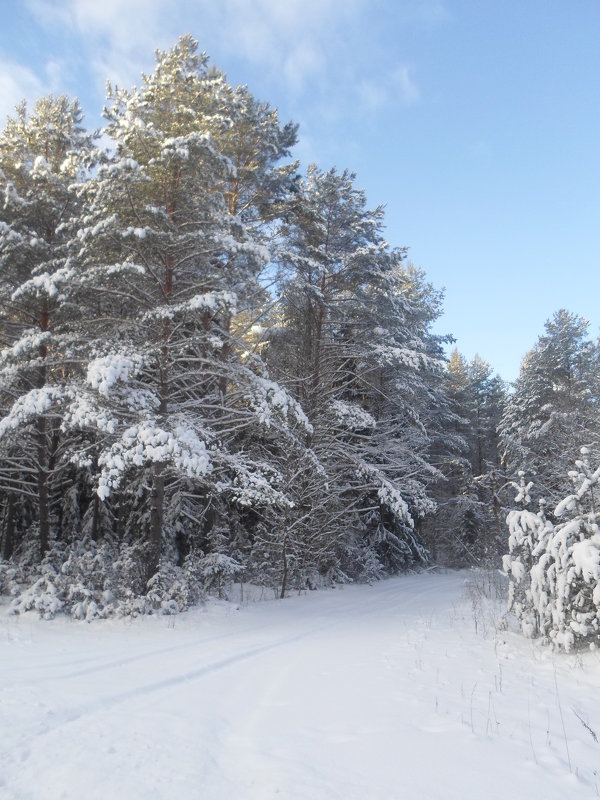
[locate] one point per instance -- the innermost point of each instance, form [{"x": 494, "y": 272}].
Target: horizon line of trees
[{"x": 214, "y": 366}]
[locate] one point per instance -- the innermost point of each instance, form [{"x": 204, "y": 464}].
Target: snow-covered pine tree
[
  {"x": 42, "y": 155},
  {"x": 566, "y": 577},
  {"x": 407, "y": 400},
  {"x": 527, "y": 534},
  {"x": 554, "y": 570},
  {"x": 351, "y": 344},
  {"x": 169, "y": 265},
  {"x": 554, "y": 407},
  {"x": 469, "y": 524}
]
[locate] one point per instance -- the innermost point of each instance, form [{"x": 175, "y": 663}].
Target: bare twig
[{"x": 585, "y": 725}]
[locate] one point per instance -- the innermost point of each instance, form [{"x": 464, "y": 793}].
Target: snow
[
  {"x": 352, "y": 416},
  {"x": 103, "y": 373},
  {"x": 83, "y": 412},
  {"x": 41, "y": 167},
  {"x": 45, "y": 284},
  {"x": 149, "y": 443},
  {"x": 207, "y": 301},
  {"x": 253, "y": 484},
  {"x": 11, "y": 196},
  {"x": 31, "y": 340},
  {"x": 586, "y": 559},
  {"x": 404, "y": 689},
  {"x": 266, "y": 396},
  {"x": 7, "y": 234},
  {"x": 138, "y": 233},
  {"x": 388, "y": 494},
  {"x": 29, "y": 406}
]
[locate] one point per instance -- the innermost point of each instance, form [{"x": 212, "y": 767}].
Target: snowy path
[{"x": 363, "y": 693}]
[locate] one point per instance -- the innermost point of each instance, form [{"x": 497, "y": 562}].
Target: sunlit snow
[{"x": 405, "y": 689}]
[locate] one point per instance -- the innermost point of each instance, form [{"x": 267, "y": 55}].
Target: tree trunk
[
  {"x": 42, "y": 486},
  {"x": 55, "y": 492},
  {"x": 156, "y": 518},
  {"x": 119, "y": 518},
  {"x": 224, "y": 357},
  {"x": 42, "y": 450},
  {"x": 284, "y": 577},
  {"x": 157, "y": 497},
  {"x": 95, "y": 517},
  {"x": 8, "y": 541}
]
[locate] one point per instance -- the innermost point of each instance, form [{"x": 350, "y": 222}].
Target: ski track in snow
[{"x": 404, "y": 689}]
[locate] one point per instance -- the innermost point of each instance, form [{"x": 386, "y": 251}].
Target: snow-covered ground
[{"x": 404, "y": 689}]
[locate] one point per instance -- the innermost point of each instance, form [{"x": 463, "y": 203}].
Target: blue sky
[{"x": 476, "y": 123}]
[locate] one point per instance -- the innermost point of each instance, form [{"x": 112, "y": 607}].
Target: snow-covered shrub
[
  {"x": 572, "y": 565},
  {"x": 192, "y": 570},
  {"x": 91, "y": 580},
  {"x": 43, "y": 596},
  {"x": 525, "y": 531},
  {"x": 217, "y": 570},
  {"x": 86, "y": 579},
  {"x": 372, "y": 568},
  {"x": 41, "y": 589},
  {"x": 168, "y": 590},
  {"x": 554, "y": 571},
  {"x": 70, "y": 578},
  {"x": 541, "y": 591},
  {"x": 27, "y": 552},
  {"x": 7, "y": 576},
  {"x": 127, "y": 578}
]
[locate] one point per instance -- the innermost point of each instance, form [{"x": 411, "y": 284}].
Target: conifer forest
[{"x": 214, "y": 368}]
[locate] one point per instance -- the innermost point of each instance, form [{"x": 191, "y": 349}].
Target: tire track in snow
[
  {"x": 399, "y": 591},
  {"x": 391, "y": 597}
]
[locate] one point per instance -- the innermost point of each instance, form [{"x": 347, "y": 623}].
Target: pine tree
[
  {"x": 170, "y": 267},
  {"x": 42, "y": 156},
  {"x": 352, "y": 345},
  {"x": 527, "y": 533},
  {"x": 554, "y": 407},
  {"x": 554, "y": 569},
  {"x": 469, "y": 525},
  {"x": 144, "y": 291},
  {"x": 566, "y": 579}
]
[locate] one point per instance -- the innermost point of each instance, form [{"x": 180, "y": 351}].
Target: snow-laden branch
[{"x": 149, "y": 443}]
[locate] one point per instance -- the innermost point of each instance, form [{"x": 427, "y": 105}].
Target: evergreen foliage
[
  {"x": 168, "y": 424},
  {"x": 43, "y": 155},
  {"x": 553, "y": 410},
  {"x": 469, "y": 525},
  {"x": 214, "y": 368},
  {"x": 554, "y": 569}
]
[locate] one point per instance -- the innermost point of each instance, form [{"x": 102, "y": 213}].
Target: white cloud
[
  {"x": 123, "y": 24},
  {"x": 429, "y": 12},
  {"x": 116, "y": 38},
  {"x": 303, "y": 62},
  {"x": 320, "y": 55},
  {"x": 405, "y": 85},
  {"x": 392, "y": 88},
  {"x": 57, "y": 72},
  {"x": 373, "y": 96},
  {"x": 293, "y": 40},
  {"x": 17, "y": 83}
]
